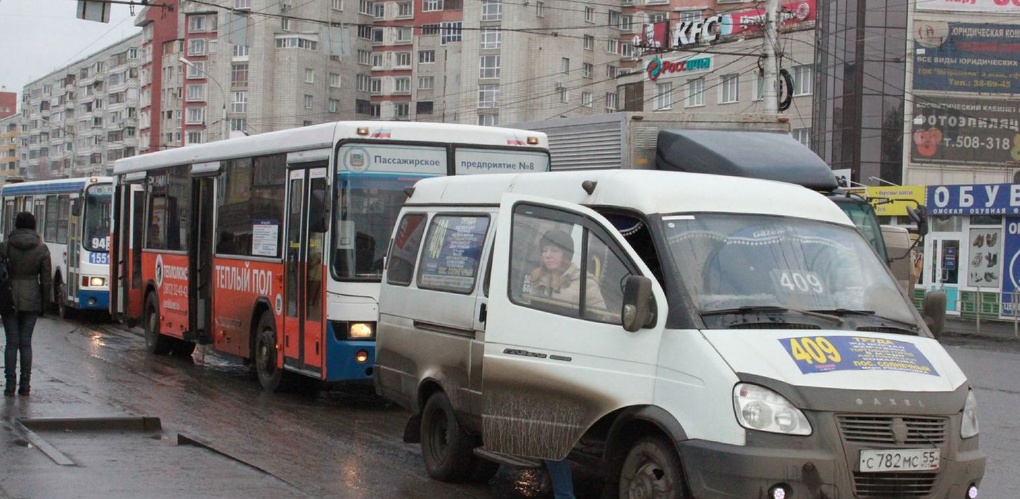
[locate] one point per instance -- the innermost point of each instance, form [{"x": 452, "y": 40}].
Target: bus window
[
  {"x": 251, "y": 194},
  {"x": 368, "y": 209},
  {"x": 98, "y": 202}
]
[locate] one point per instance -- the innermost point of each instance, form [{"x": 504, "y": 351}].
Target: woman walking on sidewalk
[{"x": 28, "y": 261}]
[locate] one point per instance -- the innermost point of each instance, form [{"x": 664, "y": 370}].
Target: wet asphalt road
[{"x": 344, "y": 442}]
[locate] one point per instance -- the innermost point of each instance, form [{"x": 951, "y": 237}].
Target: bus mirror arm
[{"x": 76, "y": 207}]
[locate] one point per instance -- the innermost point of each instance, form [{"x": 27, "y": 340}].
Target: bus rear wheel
[
  {"x": 155, "y": 342},
  {"x": 268, "y": 372}
]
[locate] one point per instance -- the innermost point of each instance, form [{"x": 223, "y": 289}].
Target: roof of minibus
[
  {"x": 322, "y": 136},
  {"x": 645, "y": 191}
]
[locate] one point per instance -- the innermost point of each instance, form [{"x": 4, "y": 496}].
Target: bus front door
[
  {"x": 200, "y": 256},
  {"x": 304, "y": 314}
]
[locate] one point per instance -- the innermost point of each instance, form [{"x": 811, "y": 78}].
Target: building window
[
  {"x": 586, "y": 99},
  {"x": 424, "y": 107},
  {"x": 803, "y": 77},
  {"x": 196, "y": 93},
  {"x": 611, "y": 71},
  {"x": 403, "y": 60},
  {"x": 451, "y": 32},
  {"x": 376, "y": 86},
  {"x": 565, "y": 65},
  {"x": 401, "y": 109},
  {"x": 491, "y": 38},
  {"x": 426, "y": 82},
  {"x": 540, "y": 9},
  {"x": 239, "y": 75},
  {"x": 613, "y": 46},
  {"x": 405, "y": 9},
  {"x": 194, "y": 137},
  {"x": 284, "y": 24},
  {"x": 759, "y": 87},
  {"x": 430, "y": 29},
  {"x": 587, "y": 69},
  {"x": 564, "y": 94},
  {"x": 309, "y": 75},
  {"x": 802, "y": 135},
  {"x": 615, "y": 19},
  {"x": 363, "y": 82},
  {"x": 365, "y": 57},
  {"x": 195, "y": 116},
  {"x": 489, "y": 66},
  {"x": 426, "y": 56},
  {"x": 488, "y": 96},
  {"x": 239, "y": 102},
  {"x": 334, "y": 80},
  {"x": 379, "y": 10},
  {"x": 627, "y": 23},
  {"x": 365, "y": 7},
  {"x": 432, "y": 5},
  {"x": 201, "y": 23},
  {"x": 296, "y": 42},
  {"x": 589, "y": 42},
  {"x": 196, "y": 70},
  {"x": 492, "y": 10},
  {"x": 238, "y": 124},
  {"x": 729, "y": 86},
  {"x": 611, "y": 102},
  {"x": 377, "y": 35},
  {"x": 308, "y": 101},
  {"x": 663, "y": 96},
  {"x": 334, "y": 105},
  {"x": 402, "y": 85},
  {"x": 375, "y": 110},
  {"x": 377, "y": 60},
  {"x": 366, "y": 32},
  {"x": 338, "y": 4},
  {"x": 589, "y": 14},
  {"x": 695, "y": 92},
  {"x": 488, "y": 119},
  {"x": 196, "y": 46},
  {"x": 405, "y": 34}
]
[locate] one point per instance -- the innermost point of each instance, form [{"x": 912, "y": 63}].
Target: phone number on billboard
[{"x": 972, "y": 142}]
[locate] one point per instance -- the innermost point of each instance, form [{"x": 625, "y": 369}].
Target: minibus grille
[
  {"x": 893, "y": 485},
  {"x": 923, "y": 431},
  {"x": 772, "y": 325}
]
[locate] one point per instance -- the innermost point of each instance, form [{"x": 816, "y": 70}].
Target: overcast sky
[{"x": 39, "y": 36}]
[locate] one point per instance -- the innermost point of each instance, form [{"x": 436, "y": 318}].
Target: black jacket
[{"x": 31, "y": 274}]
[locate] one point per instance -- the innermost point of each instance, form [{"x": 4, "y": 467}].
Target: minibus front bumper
[{"x": 825, "y": 464}]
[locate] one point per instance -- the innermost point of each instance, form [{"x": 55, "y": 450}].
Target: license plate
[{"x": 877, "y": 461}]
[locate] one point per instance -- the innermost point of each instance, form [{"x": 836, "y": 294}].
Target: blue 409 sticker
[{"x": 817, "y": 354}]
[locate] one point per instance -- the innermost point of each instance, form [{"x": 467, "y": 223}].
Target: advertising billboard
[
  {"x": 966, "y": 57},
  {"x": 994, "y": 6},
  {"x": 965, "y": 131}
]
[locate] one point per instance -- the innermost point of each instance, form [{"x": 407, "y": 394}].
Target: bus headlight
[
  {"x": 758, "y": 408},
  {"x": 361, "y": 331},
  {"x": 96, "y": 282},
  {"x": 969, "y": 428}
]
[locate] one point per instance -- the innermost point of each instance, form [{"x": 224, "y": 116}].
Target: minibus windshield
[{"x": 760, "y": 264}]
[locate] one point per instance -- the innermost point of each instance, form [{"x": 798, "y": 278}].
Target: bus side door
[
  {"x": 304, "y": 307},
  {"x": 126, "y": 252}
]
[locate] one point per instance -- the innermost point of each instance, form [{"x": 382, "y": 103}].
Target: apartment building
[
  {"x": 10, "y": 129},
  {"x": 8, "y": 104},
  {"x": 76, "y": 121}
]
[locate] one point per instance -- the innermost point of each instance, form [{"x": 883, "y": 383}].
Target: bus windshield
[
  {"x": 738, "y": 264},
  {"x": 96, "y": 224},
  {"x": 367, "y": 210}
]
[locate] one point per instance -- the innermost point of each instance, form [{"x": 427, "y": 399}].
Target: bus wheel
[
  {"x": 268, "y": 372},
  {"x": 652, "y": 469},
  {"x": 155, "y": 342},
  {"x": 61, "y": 300},
  {"x": 445, "y": 446}
]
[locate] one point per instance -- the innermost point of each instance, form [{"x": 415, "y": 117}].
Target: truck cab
[{"x": 693, "y": 335}]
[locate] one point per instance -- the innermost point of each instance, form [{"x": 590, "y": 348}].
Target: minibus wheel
[
  {"x": 155, "y": 342},
  {"x": 445, "y": 446},
  {"x": 268, "y": 372},
  {"x": 652, "y": 469}
]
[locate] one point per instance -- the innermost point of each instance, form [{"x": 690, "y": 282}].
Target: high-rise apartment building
[
  {"x": 10, "y": 128},
  {"x": 8, "y": 104},
  {"x": 76, "y": 121}
]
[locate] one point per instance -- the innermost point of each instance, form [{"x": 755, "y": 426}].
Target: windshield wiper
[
  {"x": 843, "y": 312},
  {"x": 771, "y": 309}
]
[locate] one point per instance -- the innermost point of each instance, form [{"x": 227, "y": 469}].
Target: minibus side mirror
[
  {"x": 919, "y": 216},
  {"x": 76, "y": 207},
  {"x": 638, "y": 304}
]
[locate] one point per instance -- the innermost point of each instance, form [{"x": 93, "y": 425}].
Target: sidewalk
[{"x": 993, "y": 329}]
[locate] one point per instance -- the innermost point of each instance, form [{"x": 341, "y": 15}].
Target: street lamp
[{"x": 223, "y": 117}]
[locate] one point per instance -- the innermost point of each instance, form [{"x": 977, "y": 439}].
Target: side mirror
[
  {"x": 934, "y": 312},
  {"x": 76, "y": 207},
  {"x": 920, "y": 217},
  {"x": 638, "y": 305}
]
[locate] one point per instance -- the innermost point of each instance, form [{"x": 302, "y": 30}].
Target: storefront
[{"x": 972, "y": 250}]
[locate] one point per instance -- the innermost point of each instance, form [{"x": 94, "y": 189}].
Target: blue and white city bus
[{"x": 73, "y": 217}]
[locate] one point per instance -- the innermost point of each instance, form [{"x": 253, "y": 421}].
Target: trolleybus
[
  {"x": 73, "y": 218},
  {"x": 270, "y": 247}
]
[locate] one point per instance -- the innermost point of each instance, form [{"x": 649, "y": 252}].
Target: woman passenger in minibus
[{"x": 557, "y": 277}]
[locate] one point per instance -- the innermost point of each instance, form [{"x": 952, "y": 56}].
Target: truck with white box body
[
  {"x": 741, "y": 145},
  {"x": 745, "y": 340}
]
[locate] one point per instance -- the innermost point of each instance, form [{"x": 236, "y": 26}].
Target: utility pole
[{"x": 770, "y": 92}]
